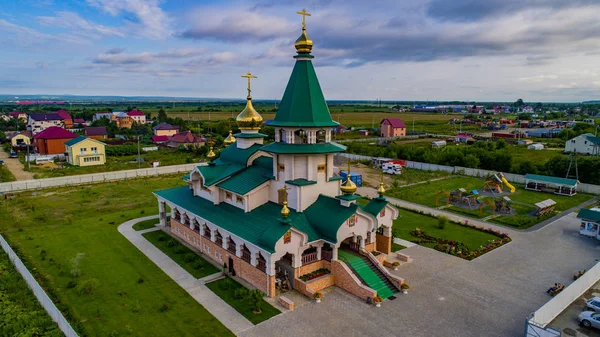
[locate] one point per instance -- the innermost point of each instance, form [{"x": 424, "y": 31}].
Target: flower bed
[
  {"x": 314, "y": 274},
  {"x": 459, "y": 249}
]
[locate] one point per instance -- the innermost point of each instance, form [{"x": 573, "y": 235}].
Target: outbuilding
[
  {"x": 590, "y": 219},
  {"x": 556, "y": 185}
]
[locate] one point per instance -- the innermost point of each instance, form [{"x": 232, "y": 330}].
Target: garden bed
[{"x": 315, "y": 274}]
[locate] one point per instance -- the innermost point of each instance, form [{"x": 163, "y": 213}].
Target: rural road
[{"x": 15, "y": 166}]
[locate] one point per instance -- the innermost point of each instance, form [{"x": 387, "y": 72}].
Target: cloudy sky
[{"x": 540, "y": 50}]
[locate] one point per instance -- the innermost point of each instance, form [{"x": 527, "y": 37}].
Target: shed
[{"x": 556, "y": 185}]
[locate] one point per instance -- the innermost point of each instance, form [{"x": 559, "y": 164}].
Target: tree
[
  {"x": 519, "y": 103},
  {"x": 162, "y": 115}
]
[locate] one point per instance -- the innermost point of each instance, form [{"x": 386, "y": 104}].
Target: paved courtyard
[{"x": 489, "y": 296}]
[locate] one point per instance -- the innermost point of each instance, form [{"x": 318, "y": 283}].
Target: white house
[
  {"x": 583, "y": 144},
  {"x": 37, "y": 123}
]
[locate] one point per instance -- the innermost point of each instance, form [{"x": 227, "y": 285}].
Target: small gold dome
[
  {"x": 229, "y": 140},
  {"x": 285, "y": 211},
  {"x": 348, "y": 187},
  {"x": 211, "y": 154},
  {"x": 303, "y": 43},
  {"x": 249, "y": 119},
  {"x": 381, "y": 190}
]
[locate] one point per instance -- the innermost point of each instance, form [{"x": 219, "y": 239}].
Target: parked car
[
  {"x": 13, "y": 154},
  {"x": 590, "y": 319},
  {"x": 593, "y": 304}
]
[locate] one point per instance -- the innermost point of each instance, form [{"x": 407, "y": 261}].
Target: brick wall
[
  {"x": 349, "y": 282},
  {"x": 243, "y": 269},
  {"x": 311, "y": 287},
  {"x": 384, "y": 243},
  {"x": 286, "y": 303},
  {"x": 309, "y": 268},
  {"x": 370, "y": 247}
]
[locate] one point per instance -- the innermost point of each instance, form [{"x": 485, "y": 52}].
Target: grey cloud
[{"x": 114, "y": 51}]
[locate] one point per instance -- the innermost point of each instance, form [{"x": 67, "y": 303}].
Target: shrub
[
  {"x": 197, "y": 265},
  {"x": 180, "y": 250},
  {"x": 240, "y": 293},
  {"x": 43, "y": 255},
  {"x": 75, "y": 271},
  {"x": 136, "y": 307},
  {"x": 88, "y": 287},
  {"x": 172, "y": 243},
  {"x": 189, "y": 257},
  {"x": 255, "y": 297},
  {"x": 442, "y": 221},
  {"x": 404, "y": 286},
  {"x": 165, "y": 307},
  {"x": 377, "y": 299},
  {"x": 318, "y": 295},
  {"x": 72, "y": 284},
  {"x": 162, "y": 238},
  {"x": 140, "y": 280}
]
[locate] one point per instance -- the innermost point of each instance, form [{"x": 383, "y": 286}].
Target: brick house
[
  {"x": 271, "y": 214},
  {"x": 392, "y": 127},
  {"x": 165, "y": 129},
  {"x": 137, "y": 116},
  {"x": 185, "y": 139},
  {"x": 52, "y": 140}
]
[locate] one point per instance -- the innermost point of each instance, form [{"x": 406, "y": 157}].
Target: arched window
[
  {"x": 282, "y": 136},
  {"x": 300, "y": 137},
  {"x": 321, "y": 136},
  {"x": 219, "y": 238}
]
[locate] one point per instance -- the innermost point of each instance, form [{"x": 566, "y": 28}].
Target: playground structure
[
  {"x": 494, "y": 183},
  {"x": 446, "y": 194},
  {"x": 503, "y": 205},
  {"x": 489, "y": 202},
  {"x": 463, "y": 198},
  {"x": 545, "y": 207}
]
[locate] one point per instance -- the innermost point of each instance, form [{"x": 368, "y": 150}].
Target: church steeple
[{"x": 249, "y": 118}]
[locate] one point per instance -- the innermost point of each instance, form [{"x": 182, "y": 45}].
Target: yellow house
[
  {"x": 21, "y": 139},
  {"x": 82, "y": 151}
]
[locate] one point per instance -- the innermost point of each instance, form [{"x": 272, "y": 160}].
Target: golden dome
[
  {"x": 303, "y": 43},
  {"x": 211, "y": 155},
  {"x": 285, "y": 211},
  {"x": 229, "y": 140},
  {"x": 249, "y": 119},
  {"x": 348, "y": 187},
  {"x": 381, "y": 190}
]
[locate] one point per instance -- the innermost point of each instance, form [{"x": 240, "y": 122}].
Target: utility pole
[
  {"x": 414, "y": 124},
  {"x": 28, "y": 162},
  {"x": 139, "y": 163}
]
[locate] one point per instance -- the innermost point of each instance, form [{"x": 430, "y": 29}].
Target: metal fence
[
  {"x": 472, "y": 172},
  {"x": 37, "y": 290},
  {"x": 93, "y": 178}
]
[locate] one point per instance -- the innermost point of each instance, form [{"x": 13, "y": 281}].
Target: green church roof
[
  {"x": 303, "y": 103},
  {"x": 255, "y": 175},
  {"x": 375, "y": 206},
  {"x": 283, "y": 148},
  {"x": 337, "y": 215},
  {"x": 232, "y": 154}
]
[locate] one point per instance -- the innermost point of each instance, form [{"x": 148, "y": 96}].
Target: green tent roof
[
  {"x": 232, "y": 154},
  {"x": 552, "y": 180},
  {"x": 303, "y": 103},
  {"x": 255, "y": 175},
  {"x": 375, "y": 206},
  {"x": 262, "y": 226},
  {"x": 214, "y": 173},
  {"x": 250, "y": 135},
  {"x": 589, "y": 215},
  {"x": 283, "y": 148}
]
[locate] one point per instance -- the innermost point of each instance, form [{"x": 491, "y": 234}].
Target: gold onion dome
[
  {"x": 285, "y": 211},
  {"x": 249, "y": 119},
  {"x": 211, "y": 154},
  {"x": 303, "y": 44},
  {"x": 381, "y": 190},
  {"x": 348, "y": 187},
  {"x": 229, "y": 140}
]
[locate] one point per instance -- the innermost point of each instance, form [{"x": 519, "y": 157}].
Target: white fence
[
  {"x": 544, "y": 315},
  {"x": 516, "y": 178},
  {"x": 37, "y": 290},
  {"x": 93, "y": 178}
]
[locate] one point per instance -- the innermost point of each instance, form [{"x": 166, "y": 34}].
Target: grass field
[
  {"x": 6, "y": 175},
  {"x": 425, "y": 194},
  {"x": 225, "y": 289},
  {"x": 146, "y": 224},
  {"x": 182, "y": 255},
  {"x": 22, "y": 314},
  {"x": 134, "y": 296},
  {"x": 409, "y": 221},
  {"x": 163, "y": 155}
]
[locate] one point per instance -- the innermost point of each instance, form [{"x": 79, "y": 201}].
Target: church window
[
  {"x": 321, "y": 167},
  {"x": 239, "y": 199},
  {"x": 300, "y": 137},
  {"x": 287, "y": 237},
  {"x": 321, "y": 136},
  {"x": 228, "y": 195},
  {"x": 281, "y": 168}
]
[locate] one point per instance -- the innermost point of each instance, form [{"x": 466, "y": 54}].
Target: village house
[
  {"x": 20, "y": 139},
  {"x": 82, "y": 151},
  {"x": 185, "y": 139},
  {"x": 583, "y": 144},
  {"x": 96, "y": 132},
  {"x": 52, "y": 140},
  {"x": 137, "y": 116},
  {"x": 66, "y": 117},
  {"x": 392, "y": 127},
  {"x": 165, "y": 129},
  {"x": 20, "y": 115},
  {"x": 272, "y": 214},
  {"x": 37, "y": 123}
]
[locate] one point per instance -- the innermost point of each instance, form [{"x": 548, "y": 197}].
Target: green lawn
[
  {"x": 22, "y": 314},
  {"x": 408, "y": 221},
  {"x": 146, "y": 224},
  {"x": 182, "y": 255},
  {"x": 6, "y": 175},
  {"x": 396, "y": 247},
  {"x": 133, "y": 292},
  {"x": 225, "y": 288}
]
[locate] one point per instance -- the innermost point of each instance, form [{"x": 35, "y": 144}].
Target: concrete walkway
[
  {"x": 222, "y": 311},
  {"x": 15, "y": 167}
]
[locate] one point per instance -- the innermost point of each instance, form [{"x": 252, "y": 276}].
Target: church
[{"x": 276, "y": 214}]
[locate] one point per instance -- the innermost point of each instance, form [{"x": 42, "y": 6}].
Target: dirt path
[{"x": 15, "y": 166}]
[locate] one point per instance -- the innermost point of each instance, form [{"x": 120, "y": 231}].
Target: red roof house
[
  {"x": 186, "y": 138},
  {"x": 66, "y": 117},
  {"x": 52, "y": 140},
  {"x": 160, "y": 139},
  {"x": 392, "y": 127},
  {"x": 96, "y": 132}
]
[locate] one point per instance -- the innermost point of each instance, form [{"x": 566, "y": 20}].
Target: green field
[
  {"x": 134, "y": 296},
  {"x": 113, "y": 163},
  {"x": 225, "y": 289},
  {"x": 408, "y": 221},
  {"x": 524, "y": 200},
  {"x": 22, "y": 314},
  {"x": 182, "y": 255}
]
